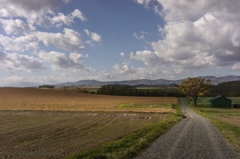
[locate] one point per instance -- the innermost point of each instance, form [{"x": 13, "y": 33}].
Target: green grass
[
  {"x": 164, "y": 105},
  {"x": 131, "y": 145},
  {"x": 230, "y": 132},
  {"x": 204, "y": 101},
  {"x": 203, "y": 105},
  {"x": 149, "y": 88}
]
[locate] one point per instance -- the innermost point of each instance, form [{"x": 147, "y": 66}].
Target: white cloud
[
  {"x": 69, "y": 19},
  {"x": 103, "y": 75},
  {"x": 38, "y": 12},
  {"x": 33, "y": 10},
  {"x": 71, "y": 40},
  {"x": 11, "y": 26},
  {"x": 122, "y": 54},
  {"x": 138, "y": 37},
  {"x": 62, "y": 62},
  {"x": 87, "y": 32},
  {"x": 29, "y": 81},
  {"x": 149, "y": 58},
  {"x": 78, "y": 14},
  {"x": 195, "y": 37},
  {"x": 143, "y": 2},
  {"x": 15, "y": 62},
  {"x": 124, "y": 70},
  {"x": 236, "y": 66},
  {"x": 60, "y": 17},
  {"x": 19, "y": 44},
  {"x": 94, "y": 36}
]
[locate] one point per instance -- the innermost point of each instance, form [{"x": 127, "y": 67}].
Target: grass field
[
  {"x": 204, "y": 101},
  {"x": 45, "y": 99},
  {"x": 45, "y": 134},
  {"x": 203, "y": 105}
]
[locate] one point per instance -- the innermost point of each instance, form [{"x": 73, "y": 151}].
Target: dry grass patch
[
  {"x": 43, "y": 99},
  {"x": 232, "y": 120}
]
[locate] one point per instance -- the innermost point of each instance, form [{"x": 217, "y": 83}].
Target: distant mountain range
[{"x": 215, "y": 80}]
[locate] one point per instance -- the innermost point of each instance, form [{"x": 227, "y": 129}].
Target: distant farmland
[{"x": 45, "y": 99}]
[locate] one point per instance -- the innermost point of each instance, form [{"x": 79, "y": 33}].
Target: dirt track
[{"x": 194, "y": 137}]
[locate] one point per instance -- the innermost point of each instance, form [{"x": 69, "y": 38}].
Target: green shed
[{"x": 221, "y": 102}]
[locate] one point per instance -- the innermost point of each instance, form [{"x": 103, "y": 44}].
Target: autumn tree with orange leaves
[{"x": 195, "y": 87}]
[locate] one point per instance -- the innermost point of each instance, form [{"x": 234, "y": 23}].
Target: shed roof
[{"x": 217, "y": 97}]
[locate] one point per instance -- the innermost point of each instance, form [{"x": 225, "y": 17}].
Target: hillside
[{"x": 215, "y": 80}]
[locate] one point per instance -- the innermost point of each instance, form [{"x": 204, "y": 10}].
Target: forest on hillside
[{"x": 230, "y": 89}]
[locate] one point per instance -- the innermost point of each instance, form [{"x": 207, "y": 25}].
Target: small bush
[{"x": 236, "y": 105}]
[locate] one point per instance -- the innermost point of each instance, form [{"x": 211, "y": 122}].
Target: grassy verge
[
  {"x": 131, "y": 145},
  {"x": 127, "y": 105},
  {"x": 230, "y": 132}
]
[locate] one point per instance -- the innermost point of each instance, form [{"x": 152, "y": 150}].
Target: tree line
[
  {"x": 229, "y": 89},
  {"x": 127, "y": 90}
]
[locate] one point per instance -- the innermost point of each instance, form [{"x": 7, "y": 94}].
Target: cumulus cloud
[
  {"x": 15, "y": 62},
  {"x": 143, "y": 2},
  {"x": 33, "y": 10},
  {"x": 195, "y": 37},
  {"x": 37, "y": 12},
  {"x": 11, "y": 26},
  {"x": 71, "y": 40},
  {"x": 94, "y": 36},
  {"x": 187, "y": 10},
  {"x": 122, "y": 54},
  {"x": 20, "y": 43},
  {"x": 78, "y": 14},
  {"x": 148, "y": 57},
  {"x": 103, "y": 75},
  {"x": 60, "y": 61},
  {"x": 67, "y": 19}
]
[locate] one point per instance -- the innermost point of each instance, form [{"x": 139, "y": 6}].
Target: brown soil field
[
  {"x": 56, "y": 134},
  {"x": 56, "y": 100},
  {"x": 232, "y": 120}
]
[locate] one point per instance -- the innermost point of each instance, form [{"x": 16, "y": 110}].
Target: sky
[{"x": 55, "y": 41}]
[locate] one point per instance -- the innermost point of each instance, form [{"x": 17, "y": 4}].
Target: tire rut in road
[{"x": 194, "y": 137}]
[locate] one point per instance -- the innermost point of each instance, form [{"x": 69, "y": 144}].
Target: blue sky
[{"x": 54, "y": 41}]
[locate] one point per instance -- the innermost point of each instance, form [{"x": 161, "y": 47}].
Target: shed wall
[{"x": 221, "y": 102}]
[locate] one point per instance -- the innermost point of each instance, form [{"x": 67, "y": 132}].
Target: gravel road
[{"x": 194, "y": 137}]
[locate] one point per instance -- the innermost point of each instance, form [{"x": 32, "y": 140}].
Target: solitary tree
[{"x": 195, "y": 87}]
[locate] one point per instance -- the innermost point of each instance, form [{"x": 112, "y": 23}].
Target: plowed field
[
  {"x": 47, "y": 134},
  {"x": 42, "y": 99}
]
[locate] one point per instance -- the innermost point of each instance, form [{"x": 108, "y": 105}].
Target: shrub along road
[{"x": 193, "y": 137}]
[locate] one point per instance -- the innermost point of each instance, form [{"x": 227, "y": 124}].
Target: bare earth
[
  {"x": 58, "y": 100},
  {"x": 57, "y": 134},
  {"x": 194, "y": 137}
]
